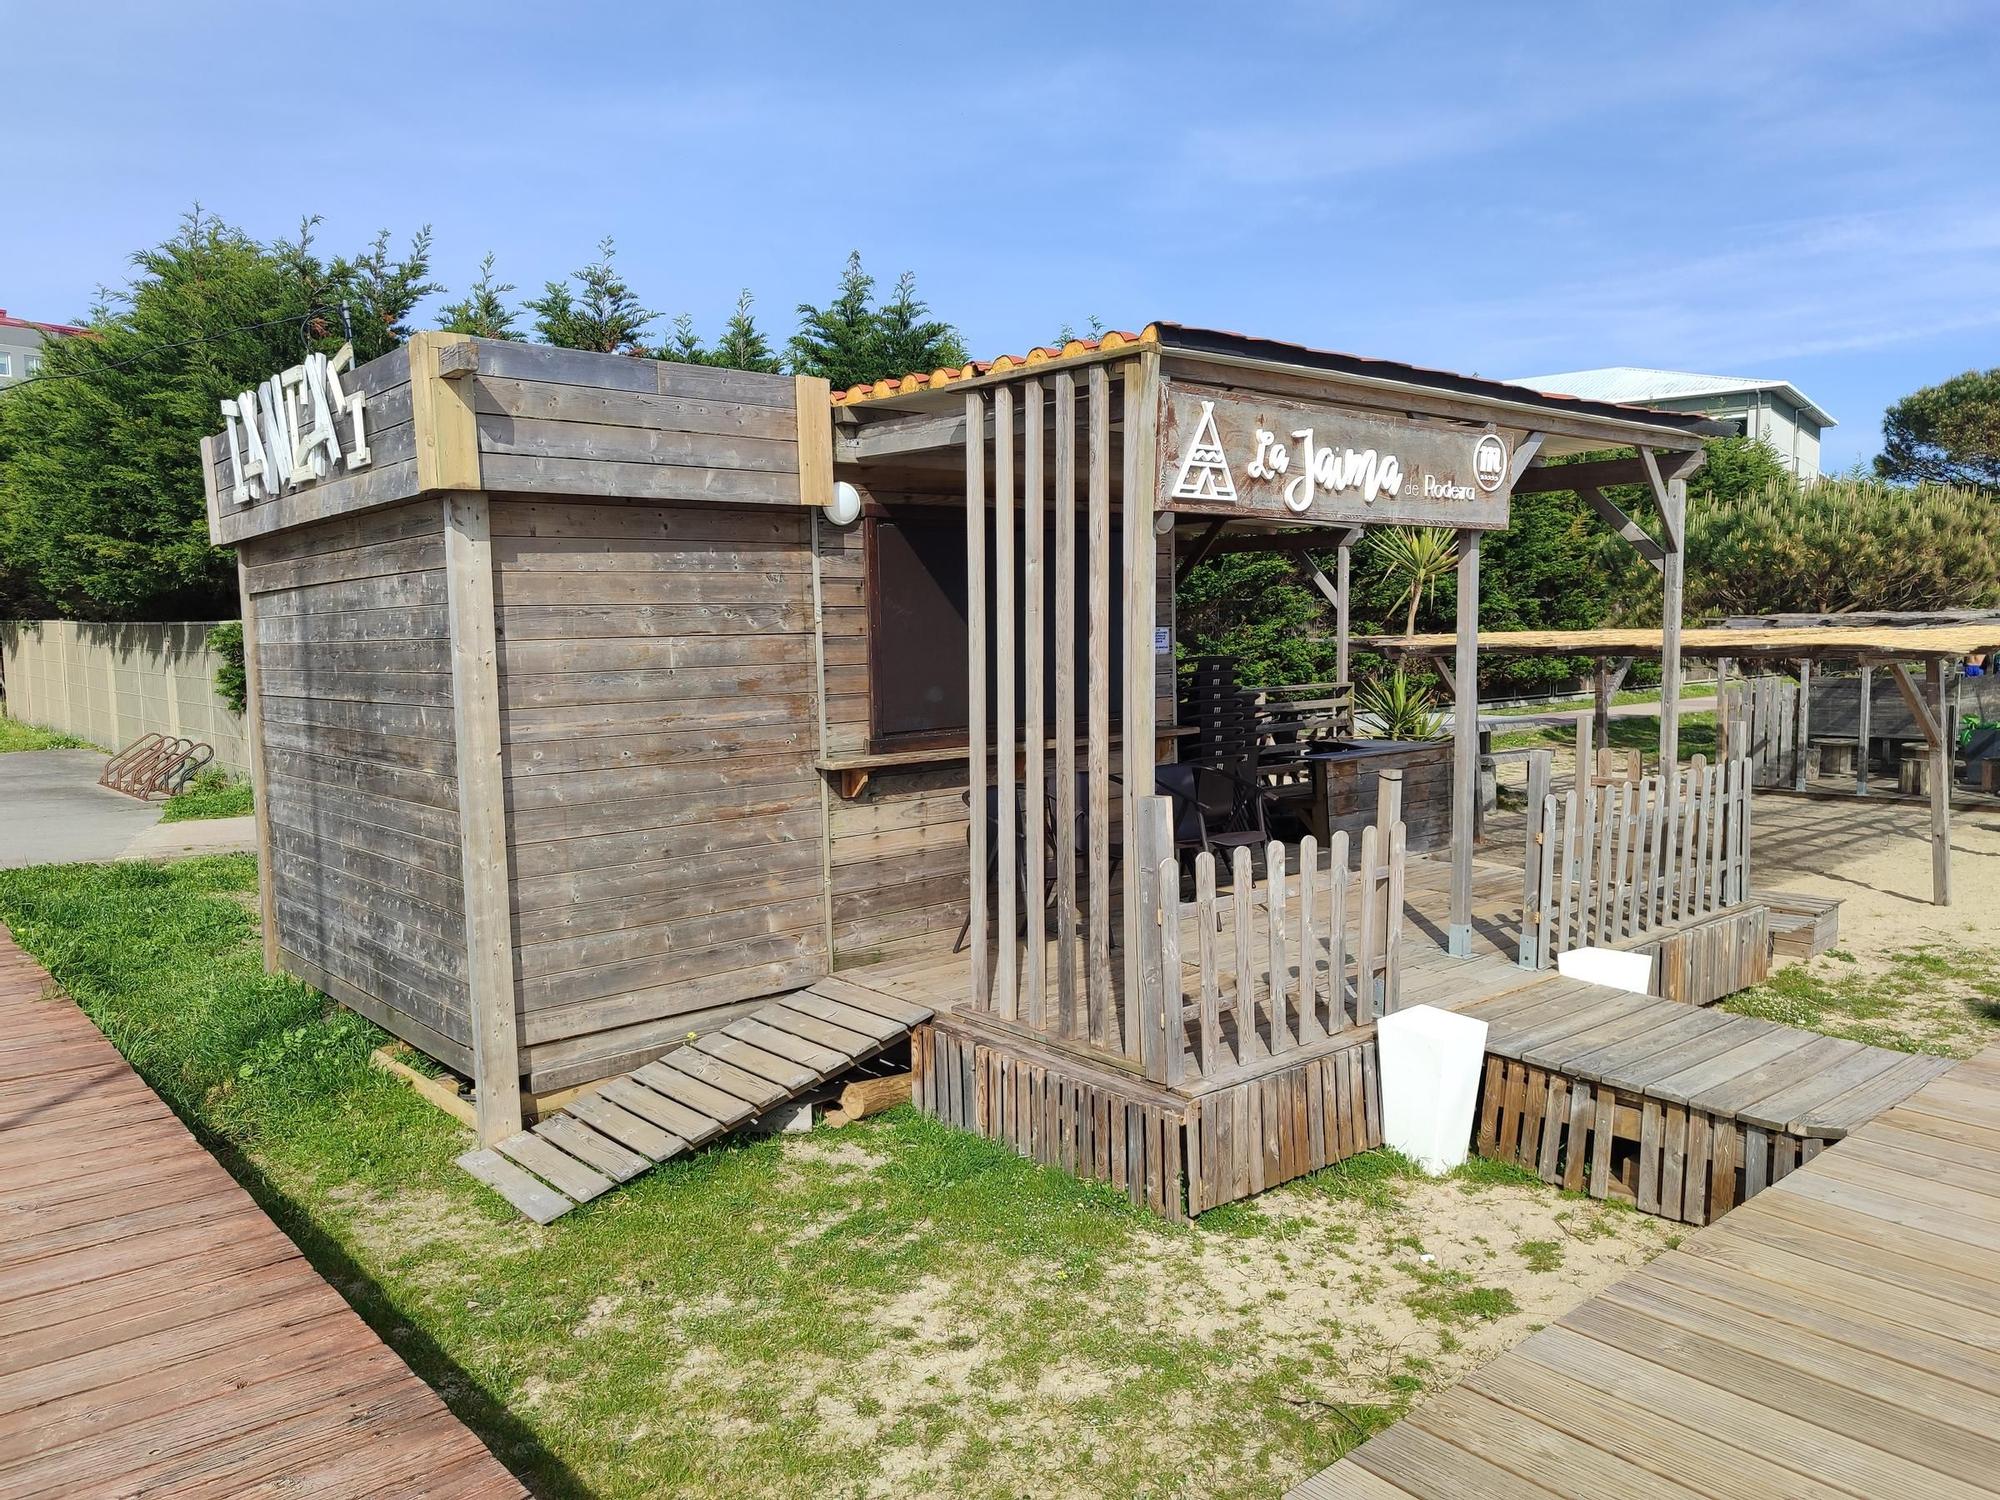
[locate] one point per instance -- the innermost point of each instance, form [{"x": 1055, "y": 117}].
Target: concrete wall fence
[{"x": 111, "y": 683}]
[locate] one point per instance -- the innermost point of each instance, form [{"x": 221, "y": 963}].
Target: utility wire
[{"x": 304, "y": 321}]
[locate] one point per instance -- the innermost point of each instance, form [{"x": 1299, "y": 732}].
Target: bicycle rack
[{"x": 155, "y": 765}]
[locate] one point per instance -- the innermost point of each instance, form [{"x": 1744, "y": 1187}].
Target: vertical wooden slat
[
  {"x": 1621, "y": 882},
  {"x": 1672, "y": 574},
  {"x": 1150, "y": 832},
  {"x": 1392, "y": 921},
  {"x": 1103, "y": 1023},
  {"x": 1337, "y": 1015},
  {"x": 1310, "y": 1029},
  {"x": 975, "y": 682},
  {"x": 1661, "y": 859},
  {"x": 1242, "y": 910},
  {"x": 1071, "y": 1017},
  {"x": 1804, "y": 736},
  {"x": 1697, "y": 776},
  {"x": 1034, "y": 805},
  {"x": 1139, "y": 419},
  {"x": 1211, "y": 986},
  {"x": 1274, "y": 930},
  {"x": 1004, "y": 625},
  {"x": 1636, "y": 876},
  {"x": 1613, "y": 806},
  {"x": 1548, "y": 925},
  {"x": 1366, "y": 944},
  {"x": 1593, "y": 798},
  {"x": 1534, "y": 892},
  {"x": 1572, "y": 833},
  {"x": 1174, "y": 1021},
  {"x": 1718, "y": 806}
]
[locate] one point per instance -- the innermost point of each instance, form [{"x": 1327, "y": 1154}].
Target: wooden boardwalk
[
  {"x": 692, "y": 1095},
  {"x": 1837, "y": 1336},
  {"x": 158, "y": 1334}
]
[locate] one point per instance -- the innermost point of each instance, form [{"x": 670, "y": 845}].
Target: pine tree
[
  {"x": 852, "y": 342},
  {"x": 684, "y": 345},
  {"x": 836, "y": 342},
  {"x": 482, "y": 313},
  {"x": 602, "y": 314},
  {"x": 743, "y": 345},
  {"x": 907, "y": 340}
]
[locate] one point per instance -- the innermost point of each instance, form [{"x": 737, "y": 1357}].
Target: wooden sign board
[{"x": 1238, "y": 453}]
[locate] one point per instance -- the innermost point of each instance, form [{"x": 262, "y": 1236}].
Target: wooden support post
[
  {"x": 975, "y": 688},
  {"x": 1465, "y": 746},
  {"x": 260, "y": 788},
  {"x": 1862, "y": 727},
  {"x": 482, "y": 815},
  {"x": 1138, "y": 483},
  {"x": 1342, "y": 614},
  {"x": 1804, "y": 740},
  {"x": 1937, "y": 680},
  {"x": 1600, "y": 701},
  {"x": 1672, "y": 574}
]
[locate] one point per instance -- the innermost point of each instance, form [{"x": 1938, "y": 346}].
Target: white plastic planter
[
  {"x": 1430, "y": 1061},
  {"x": 1608, "y": 967}
]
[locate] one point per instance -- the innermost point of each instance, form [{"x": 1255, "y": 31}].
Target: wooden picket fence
[
  {"x": 1614, "y": 858},
  {"x": 1760, "y": 721},
  {"x": 1312, "y": 951}
]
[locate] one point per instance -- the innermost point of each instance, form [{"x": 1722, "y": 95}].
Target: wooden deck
[
  {"x": 1838, "y": 1336},
  {"x": 158, "y": 1334},
  {"x": 692, "y": 1095}
]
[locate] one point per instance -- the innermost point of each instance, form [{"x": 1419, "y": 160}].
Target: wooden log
[{"x": 870, "y": 1096}]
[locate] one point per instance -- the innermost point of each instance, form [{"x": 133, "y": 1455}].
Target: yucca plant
[
  {"x": 1418, "y": 556},
  {"x": 1404, "y": 709}
]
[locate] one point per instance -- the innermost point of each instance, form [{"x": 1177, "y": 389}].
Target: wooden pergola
[{"x": 1887, "y": 643}]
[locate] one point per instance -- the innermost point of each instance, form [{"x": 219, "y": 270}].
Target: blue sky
[{"x": 1797, "y": 191}]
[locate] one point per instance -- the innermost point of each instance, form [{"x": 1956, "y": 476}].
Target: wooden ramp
[
  {"x": 690, "y": 1096},
  {"x": 158, "y": 1334},
  {"x": 1838, "y": 1336},
  {"x": 1683, "y": 1112}
]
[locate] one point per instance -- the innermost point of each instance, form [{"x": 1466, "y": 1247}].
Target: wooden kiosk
[{"x": 582, "y": 728}]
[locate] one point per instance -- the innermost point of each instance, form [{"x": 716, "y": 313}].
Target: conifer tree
[
  {"x": 743, "y": 345},
  {"x": 602, "y": 314},
  {"x": 482, "y": 312}
]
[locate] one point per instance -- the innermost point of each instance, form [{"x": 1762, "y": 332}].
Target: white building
[
  {"x": 21, "y": 344},
  {"x": 1775, "y": 410}
]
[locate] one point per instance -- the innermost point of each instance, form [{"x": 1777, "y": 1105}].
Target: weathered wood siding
[
  {"x": 354, "y": 668},
  {"x": 658, "y": 712},
  {"x": 562, "y": 422}
]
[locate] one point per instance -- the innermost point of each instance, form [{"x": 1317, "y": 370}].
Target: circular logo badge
[{"x": 1489, "y": 462}]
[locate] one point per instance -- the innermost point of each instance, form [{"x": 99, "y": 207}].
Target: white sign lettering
[
  {"x": 285, "y": 432},
  {"x": 1227, "y": 451}
]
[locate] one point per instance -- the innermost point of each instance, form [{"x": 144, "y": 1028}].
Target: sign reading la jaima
[{"x": 1226, "y": 452}]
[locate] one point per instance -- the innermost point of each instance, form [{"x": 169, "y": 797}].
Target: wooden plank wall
[
  {"x": 658, "y": 681},
  {"x": 563, "y": 422},
  {"x": 354, "y": 665}
]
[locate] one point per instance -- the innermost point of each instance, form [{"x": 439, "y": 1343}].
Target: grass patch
[
  {"x": 212, "y": 794},
  {"x": 1541, "y": 1255},
  {"x": 1941, "y": 999},
  {"x": 1585, "y": 701},
  {"x": 699, "y": 1331},
  {"x": 14, "y": 735},
  {"x": 1641, "y": 733},
  {"x": 1454, "y": 1297}
]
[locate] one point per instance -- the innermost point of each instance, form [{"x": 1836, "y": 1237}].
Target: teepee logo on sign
[{"x": 1204, "y": 471}]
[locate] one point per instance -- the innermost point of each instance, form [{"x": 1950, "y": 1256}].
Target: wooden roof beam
[{"x": 1625, "y": 526}]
